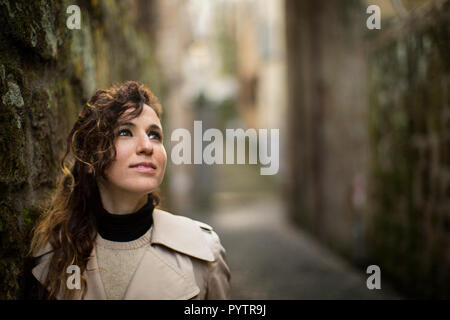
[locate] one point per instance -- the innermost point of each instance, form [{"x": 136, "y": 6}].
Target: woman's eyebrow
[{"x": 131, "y": 124}]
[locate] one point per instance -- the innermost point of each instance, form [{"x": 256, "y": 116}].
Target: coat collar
[{"x": 180, "y": 234}]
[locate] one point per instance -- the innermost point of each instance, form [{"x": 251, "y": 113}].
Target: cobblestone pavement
[{"x": 271, "y": 259}]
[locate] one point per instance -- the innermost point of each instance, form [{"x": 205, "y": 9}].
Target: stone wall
[
  {"x": 47, "y": 72},
  {"x": 409, "y": 123},
  {"x": 369, "y": 137}
]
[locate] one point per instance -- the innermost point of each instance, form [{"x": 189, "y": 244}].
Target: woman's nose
[{"x": 144, "y": 145}]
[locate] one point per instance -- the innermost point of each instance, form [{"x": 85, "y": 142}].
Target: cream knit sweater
[{"x": 117, "y": 262}]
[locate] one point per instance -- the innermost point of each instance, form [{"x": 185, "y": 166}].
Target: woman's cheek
[
  {"x": 119, "y": 164},
  {"x": 123, "y": 152},
  {"x": 163, "y": 160},
  {"x": 164, "y": 155}
]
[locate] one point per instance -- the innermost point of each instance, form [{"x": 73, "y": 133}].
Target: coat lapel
[
  {"x": 156, "y": 279},
  {"x": 96, "y": 290},
  {"x": 180, "y": 234}
]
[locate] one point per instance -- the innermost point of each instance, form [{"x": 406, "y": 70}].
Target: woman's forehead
[{"x": 148, "y": 113}]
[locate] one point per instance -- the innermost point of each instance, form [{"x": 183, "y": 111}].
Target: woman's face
[{"x": 140, "y": 155}]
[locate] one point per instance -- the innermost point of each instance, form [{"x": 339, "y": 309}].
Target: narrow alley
[{"x": 271, "y": 258}]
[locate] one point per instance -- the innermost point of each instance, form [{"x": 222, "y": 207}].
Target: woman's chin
[{"x": 142, "y": 191}]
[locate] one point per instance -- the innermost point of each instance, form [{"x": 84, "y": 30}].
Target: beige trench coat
[{"x": 185, "y": 260}]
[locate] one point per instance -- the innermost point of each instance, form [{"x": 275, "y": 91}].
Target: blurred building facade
[
  {"x": 224, "y": 65},
  {"x": 369, "y": 135}
]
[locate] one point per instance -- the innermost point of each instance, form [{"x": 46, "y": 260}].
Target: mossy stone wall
[
  {"x": 47, "y": 72},
  {"x": 409, "y": 122}
]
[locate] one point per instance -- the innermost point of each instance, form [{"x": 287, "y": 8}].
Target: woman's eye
[
  {"x": 154, "y": 135},
  {"x": 124, "y": 132}
]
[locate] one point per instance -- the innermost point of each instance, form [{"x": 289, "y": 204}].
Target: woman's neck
[{"x": 120, "y": 202}]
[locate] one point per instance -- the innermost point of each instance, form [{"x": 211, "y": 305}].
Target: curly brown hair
[{"x": 68, "y": 225}]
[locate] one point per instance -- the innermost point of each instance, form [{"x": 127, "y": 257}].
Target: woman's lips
[{"x": 144, "y": 169}]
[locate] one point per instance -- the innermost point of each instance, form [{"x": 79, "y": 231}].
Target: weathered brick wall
[
  {"x": 409, "y": 121},
  {"x": 47, "y": 72}
]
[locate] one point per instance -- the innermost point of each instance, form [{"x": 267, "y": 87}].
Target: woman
[{"x": 103, "y": 227}]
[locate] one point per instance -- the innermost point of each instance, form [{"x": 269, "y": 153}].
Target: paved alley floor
[{"x": 271, "y": 259}]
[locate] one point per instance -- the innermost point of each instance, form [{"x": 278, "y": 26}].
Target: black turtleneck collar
[{"x": 125, "y": 227}]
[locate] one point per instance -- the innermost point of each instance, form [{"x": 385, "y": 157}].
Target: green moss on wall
[
  {"x": 409, "y": 82},
  {"x": 47, "y": 72},
  {"x": 12, "y": 140}
]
